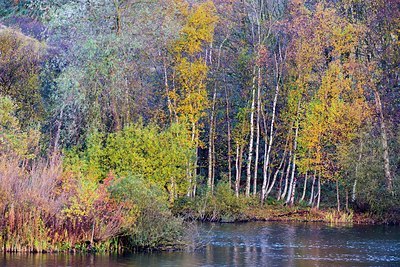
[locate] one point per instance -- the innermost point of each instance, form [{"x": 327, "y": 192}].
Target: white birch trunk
[
  {"x": 271, "y": 133},
  {"x": 278, "y": 170},
  {"x": 285, "y": 189},
  {"x": 388, "y": 175},
  {"x": 251, "y": 141},
  {"x": 229, "y": 140},
  {"x": 337, "y": 195},
  {"x": 319, "y": 190},
  {"x": 237, "y": 180},
  {"x": 258, "y": 133},
  {"x": 211, "y": 145},
  {"x": 311, "y": 201},
  {"x": 292, "y": 178},
  {"x": 304, "y": 188}
]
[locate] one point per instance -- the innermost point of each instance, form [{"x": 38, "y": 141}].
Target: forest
[{"x": 123, "y": 121}]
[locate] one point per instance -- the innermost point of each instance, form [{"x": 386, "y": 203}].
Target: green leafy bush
[
  {"x": 223, "y": 205},
  {"x": 161, "y": 156},
  {"x": 156, "y": 227}
]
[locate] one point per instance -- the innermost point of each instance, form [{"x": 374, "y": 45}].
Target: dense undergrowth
[
  {"x": 48, "y": 210},
  {"x": 114, "y": 194},
  {"x": 223, "y": 205}
]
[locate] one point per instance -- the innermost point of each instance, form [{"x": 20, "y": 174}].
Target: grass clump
[{"x": 339, "y": 217}]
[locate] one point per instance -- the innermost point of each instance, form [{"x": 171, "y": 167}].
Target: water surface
[{"x": 254, "y": 244}]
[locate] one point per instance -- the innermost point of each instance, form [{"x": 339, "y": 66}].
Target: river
[{"x": 254, "y": 244}]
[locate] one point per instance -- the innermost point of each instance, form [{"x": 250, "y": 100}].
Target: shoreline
[
  {"x": 296, "y": 214},
  {"x": 270, "y": 213}
]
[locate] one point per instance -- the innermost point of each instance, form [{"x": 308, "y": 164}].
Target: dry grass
[{"x": 34, "y": 199}]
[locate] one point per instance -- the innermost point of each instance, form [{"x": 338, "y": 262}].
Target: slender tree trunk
[
  {"x": 353, "y": 195},
  {"x": 270, "y": 141},
  {"x": 211, "y": 145},
  {"x": 347, "y": 200},
  {"x": 319, "y": 190},
  {"x": 337, "y": 195},
  {"x": 240, "y": 164},
  {"x": 304, "y": 188},
  {"x": 256, "y": 162},
  {"x": 239, "y": 158},
  {"x": 265, "y": 126},
  {"x": 278, "y": 196},
  {"x": 172, "y": 190},
  {"x": 274, "y": 179},
  {"x": 210, "y": 157},
  {"x": 289, "y": 193},
  {"x": 117, "y": 17},
  {"x": 271, "y": 133},
  {"x": 291, "y": 201},
  {"x": 268, "y": 179},
  {"x": 211, "y": 131},
  {"x": 285, "y": 167},
  {"x": 229, "y": 138},
  {"x": 191, "y": 172},
  {"x": 258, "y": 133},
  {"x": 292, "y": 178},
  {"x": 211, "y": 142},
  {"x": 194, "y": 188},
  {"x": 169, "y": 103},
  {"x": 213, "y": 161},
  {"x": 278, "y": 169},
  {"x": 251, "y": 142},
  {"x": 237, "y": 180},
  {"x": 388, "y": 175},
  {"x": 311, "y": 201},
  {"x": 285, "y": 189},
  {"x": 188, "y": 174}
]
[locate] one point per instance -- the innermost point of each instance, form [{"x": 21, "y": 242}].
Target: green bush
[
  {"x": 230, "y": 207},
  {"x": 223, "y": 205},
  {"x": 155, "y": 227},
  {"x": 161, "y": 156}
]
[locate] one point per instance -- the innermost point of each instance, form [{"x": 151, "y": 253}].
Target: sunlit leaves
[
  {"x": 159, "y": 156},
  {"x": 199, "y": 29},
  {"x": 189, "y": 96},
  {"x": 329, "y": 81}
]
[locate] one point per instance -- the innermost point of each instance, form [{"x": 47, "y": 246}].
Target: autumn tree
[
  {"x": 338, "y": 107},
  {"x": 189, "y": 95}
]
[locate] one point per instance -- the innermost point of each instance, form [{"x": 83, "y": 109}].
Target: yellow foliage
[
  {"x": 199, "y": 29},
  {"x": 189, "y": 95},
  {"x": 328, "y": 74},
  {"x": 193, "y": 95}
]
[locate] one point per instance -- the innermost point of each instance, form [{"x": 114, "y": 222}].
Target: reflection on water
[{"x": 254, "y": 244}]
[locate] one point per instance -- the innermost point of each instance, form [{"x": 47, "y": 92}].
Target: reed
[{"x": 339, "y": 217}]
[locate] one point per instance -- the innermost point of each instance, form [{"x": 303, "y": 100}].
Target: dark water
[{"x": 255, "y": 244}]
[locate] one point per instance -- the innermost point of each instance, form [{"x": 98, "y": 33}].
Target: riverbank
[
  {"x": 299, "y": 214},
  {"x": 251, "y": 244},
  {"x": 268, "y": 213},
  {"x": 224, "y": 206}
]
